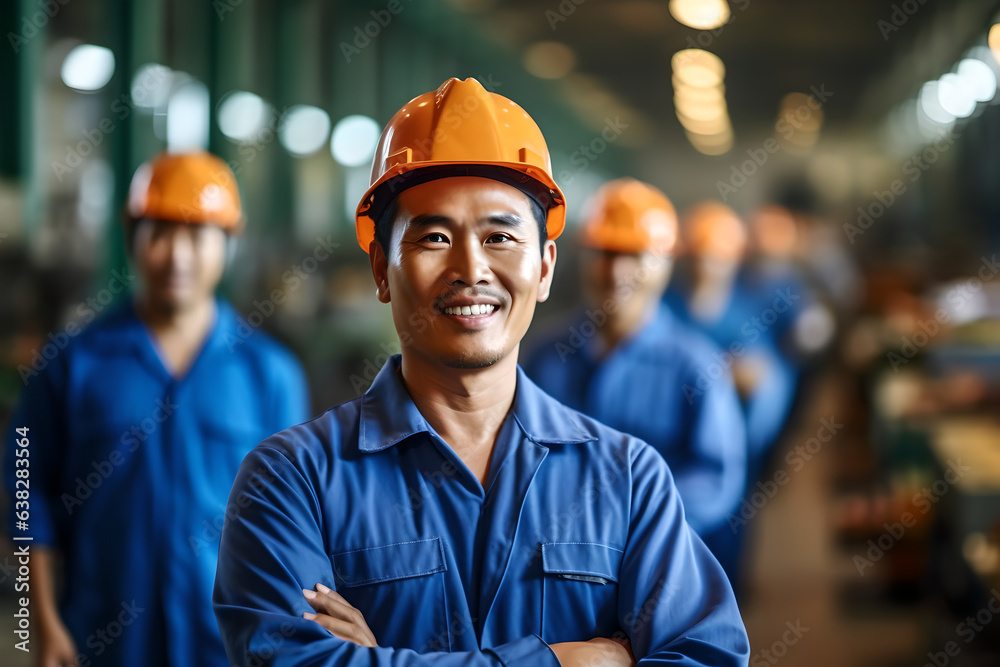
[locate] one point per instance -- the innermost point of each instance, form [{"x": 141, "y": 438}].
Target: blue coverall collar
[{"x": 389, "y": 416}]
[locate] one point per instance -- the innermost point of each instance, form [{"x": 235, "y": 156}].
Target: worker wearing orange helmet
[
  {"x": 746, "y": 320},
  {"x": 629, "y": 362},
  {"x": 455, "y": 514},
  {"x": 135, "y": 431}
]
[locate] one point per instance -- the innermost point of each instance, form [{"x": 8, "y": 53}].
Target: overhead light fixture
[
  {"x": 304, "y": 129},
  {"x": 700, "y": 14},
  {"x": 88, "y": 67},
  {"x": 700, "y": 100},
  {"x": 354, "y": 140}
]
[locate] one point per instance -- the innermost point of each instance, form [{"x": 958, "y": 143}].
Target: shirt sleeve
[
  {"x": 714, "y": 478},
  {"x": 41, "y": 411},
  {"x": 272, "y": 547},
  {"x": 675, "y": 602}
]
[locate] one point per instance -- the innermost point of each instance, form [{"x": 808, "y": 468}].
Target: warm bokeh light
[
  {"x": 549, "y": 60},
  {"x": 700, "y": 14},
  {"x": 994, "y": 41},
  {"x": 698, "y": 68},
  {"x": 700, "y": 100}
]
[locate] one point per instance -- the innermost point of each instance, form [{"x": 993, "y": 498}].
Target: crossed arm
[{"x": 342, "y": 620}]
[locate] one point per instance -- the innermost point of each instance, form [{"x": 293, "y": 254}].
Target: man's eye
[
  {"x": 434, "y": 237},
  {"x": 498, "y": 238}
]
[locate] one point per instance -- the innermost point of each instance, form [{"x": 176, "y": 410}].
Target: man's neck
[
  {"x": 466, "y": 407},
  {"x": 180, "y": 332}
]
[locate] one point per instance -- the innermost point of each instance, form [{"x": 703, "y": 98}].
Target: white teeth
[{"x": 475, "y": 309}]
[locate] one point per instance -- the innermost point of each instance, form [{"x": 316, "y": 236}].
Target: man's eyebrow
[
  {"x": 430, "y": 219},
  {"x": 503, "y": 219}
]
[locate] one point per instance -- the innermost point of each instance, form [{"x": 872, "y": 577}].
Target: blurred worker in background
[
  {"x": 745, "y": 322},
  {"x": 137, "y": 429},
  {"x": 455, "y": 514},
  {"x": 630, "y": 363}
]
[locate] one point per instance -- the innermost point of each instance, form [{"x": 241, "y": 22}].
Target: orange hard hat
[
  {"x": 460, "y": 129},
  {"x": 631, "y": 216},
  {"x": 713, "y": 230},
  {"x": 193, "y": 187}
]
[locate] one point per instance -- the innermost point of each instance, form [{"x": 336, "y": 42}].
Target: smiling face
[
  {"x": 180, "y": 264},
  {"x": 463, "y": 271}
]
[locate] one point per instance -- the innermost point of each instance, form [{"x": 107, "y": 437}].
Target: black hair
[{"x": 387, "y": 217}]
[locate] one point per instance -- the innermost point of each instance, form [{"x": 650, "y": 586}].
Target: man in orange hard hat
[
  {"x": 629, "y": 362},
  {"x": 135, "y": 431},
  {"x": 455, "y": 514}
]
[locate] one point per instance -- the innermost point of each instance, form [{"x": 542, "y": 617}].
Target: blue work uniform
[
  {"x": 577, "y": 532},
  {"x": 666, "y": 384},
  {"x": 740, "y": 331},
  {"x": 130, "y": 470}
]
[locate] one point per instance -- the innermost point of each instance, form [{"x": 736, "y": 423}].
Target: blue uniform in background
[
  {"x": 667, "y": 385},
  {"x": 578, "y": 532},
  {"x": 130, "y": 472},
  {"x": 740, "y": 331}
]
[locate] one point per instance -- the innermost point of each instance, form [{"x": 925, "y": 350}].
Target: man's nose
[{"x": 468, "y": 264}]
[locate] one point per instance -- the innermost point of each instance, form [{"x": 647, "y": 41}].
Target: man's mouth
[{"x": 474, "y": 309}]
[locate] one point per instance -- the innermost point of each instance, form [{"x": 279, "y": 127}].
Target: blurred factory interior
[{"x": 875, "y": 125}]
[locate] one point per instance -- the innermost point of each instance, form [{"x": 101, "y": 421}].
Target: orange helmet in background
[
  {"x": 197, "y": 188},
  {"x": 460, "y": 129},
  {"x": 774, "y": 230},
  {"x": 713, "y": 230},
  {"x": 631, "y": 216}
]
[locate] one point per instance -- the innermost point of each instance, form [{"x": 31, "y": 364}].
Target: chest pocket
[
  {"x": 388, "y": 583},
  {"x": 580, "y": 591}
]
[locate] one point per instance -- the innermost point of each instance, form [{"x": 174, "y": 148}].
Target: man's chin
[{"x": 473, "y": 360}]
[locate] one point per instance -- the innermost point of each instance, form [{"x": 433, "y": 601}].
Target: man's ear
[
  {"x": 380, "y": 271},
  {"x": 548, "y": 270}
]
